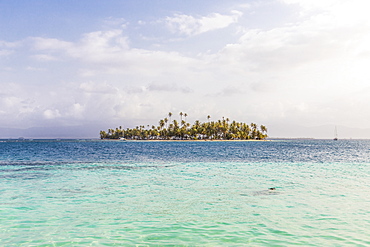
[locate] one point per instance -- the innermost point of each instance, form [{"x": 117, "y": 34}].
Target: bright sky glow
[{"x": 287, "y": 64}]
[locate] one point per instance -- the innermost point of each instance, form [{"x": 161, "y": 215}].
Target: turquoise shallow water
[{"x": 96, "y": 193}]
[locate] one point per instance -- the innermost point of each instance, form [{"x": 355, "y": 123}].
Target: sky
[{"x": 73, "y": 68}]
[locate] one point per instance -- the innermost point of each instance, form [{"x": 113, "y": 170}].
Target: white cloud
[
  {"x": 109, "y": 52},
  {"x": 94, "y": 46},
  {"x": 334, "y": 12},
  {"x": 7, "y": 48},
  {"x": 50, "y": 44},
  {"x": 101, "y": 88},
  {"x": 189, "y": 25},
  {"x": 5, "y": 52},
  {"x": 115, "y": 22},
  {"x": 108, "y": 41},
  {"x": 168, "y": 87},
  {"x": 6, "y": 44},
  {"x": 51, "y": 114},
  {"x": 312, "y": 4},
  {"x": 45, "y": 57},
  {"x": 30, "y": 68}
]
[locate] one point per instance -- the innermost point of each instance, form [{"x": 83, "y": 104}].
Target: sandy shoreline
[{"x": 129, "y": 140}]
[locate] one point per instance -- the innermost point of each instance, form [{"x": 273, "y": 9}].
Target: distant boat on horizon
[{"x": 335, "y": 134}]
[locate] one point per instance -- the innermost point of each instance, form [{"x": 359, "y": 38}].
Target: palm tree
[
  {"x": 103, "y": 134},
  {"x": 175, "y": 124},
  {"x": 181, "y": 114},
  {"x": 161, "y": 123},
  {"x": 169, "y": 116},
  {"x": 264, "y": 131},
  {"x": 254, "y": 130}
]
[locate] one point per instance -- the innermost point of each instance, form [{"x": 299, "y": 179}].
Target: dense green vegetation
[{"x": 182, "y": 130}]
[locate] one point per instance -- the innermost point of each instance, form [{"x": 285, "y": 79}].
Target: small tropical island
[{"x": 168, "y": 129}]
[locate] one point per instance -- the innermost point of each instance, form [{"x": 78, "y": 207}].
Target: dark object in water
[{"x": 269, "y": 191}]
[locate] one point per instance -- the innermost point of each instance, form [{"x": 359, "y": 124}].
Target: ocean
[{"x": 179, "y": 193}]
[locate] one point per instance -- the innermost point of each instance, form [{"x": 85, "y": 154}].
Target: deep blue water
[
  {"x": 44, "y": 151},
  {"x": 207, "y": 193}
]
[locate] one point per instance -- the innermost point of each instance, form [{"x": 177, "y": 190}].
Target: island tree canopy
[{"x": 222, "y": 129}]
